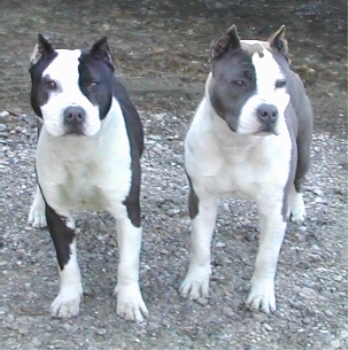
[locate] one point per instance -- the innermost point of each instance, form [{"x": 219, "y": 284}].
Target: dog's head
[
  {"x": 248, "y": 83},
  {"x": 71, "y": 89}
]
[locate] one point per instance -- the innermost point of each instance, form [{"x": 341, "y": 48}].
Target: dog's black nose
[
  {"x": 74, "y": 116},
  {"x": 267, "y": 114}
]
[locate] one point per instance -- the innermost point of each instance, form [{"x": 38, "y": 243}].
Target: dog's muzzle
[
  {"x": 267, "y": 114},
  {"x": 74, "y": 120}
]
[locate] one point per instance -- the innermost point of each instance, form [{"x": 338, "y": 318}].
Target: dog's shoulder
[
  {"x": 300, "y": 103},
  {"x": 131, "y": 115}
]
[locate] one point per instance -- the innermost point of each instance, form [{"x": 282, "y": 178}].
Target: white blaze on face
[
  {"x": 268, "y": 73},
  {"x": 64, "y": 72}
]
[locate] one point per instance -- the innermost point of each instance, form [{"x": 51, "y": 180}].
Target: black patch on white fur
[
  {"x": 95, "y": 81},
  {"x": 39, "y": 94},
  {"x": 193, "y": 201},
  {"x": 61, "y": 234},
  {"x": 136, "y": 139}
]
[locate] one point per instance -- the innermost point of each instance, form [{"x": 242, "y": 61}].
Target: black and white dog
[
  {"x": 250, "y": 137},
  {"x": 88, "y": 157}
]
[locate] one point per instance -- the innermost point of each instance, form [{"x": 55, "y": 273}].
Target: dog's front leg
[
  {"x": 62, "y": 229},
  {"x": 272, "y": 230},
  {"x": 130, "y": 304},
  {"x": 203, "y": 212}
]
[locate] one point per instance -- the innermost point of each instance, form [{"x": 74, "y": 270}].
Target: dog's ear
[
  {"x": 278, "y": 42},
  {"x": 42, "y": 48},
  {"x": 226, "y": 42},
  {"x": 100, "y": 49}
]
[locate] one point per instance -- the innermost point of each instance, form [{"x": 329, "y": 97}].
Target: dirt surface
[{"x": 311, "y": 284}]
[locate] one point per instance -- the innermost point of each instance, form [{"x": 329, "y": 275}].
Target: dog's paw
[
  {"x": 37, "y": 218},
  {"x": 196, "y": 284},
  {"x": 66, "y": 305},
  {"x": 262, "y": 296},
  {"x": 296, "y": 208},
  {"x": 130, "y": 304}
]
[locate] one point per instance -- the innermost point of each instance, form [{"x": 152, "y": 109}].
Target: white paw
[
  {"x": 37, "y": 218},
  {"x": 130, "y": 304},
  {"x": 298, "y": 214},
  {"x": 196, "y": 283},
  {"x": 262, "y": 296},
  {"x": 66, "y": 305},
  {"x": 296, "y": 208}
]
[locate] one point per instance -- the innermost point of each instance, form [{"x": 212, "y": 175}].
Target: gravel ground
[{"x": 311, "y": 283}]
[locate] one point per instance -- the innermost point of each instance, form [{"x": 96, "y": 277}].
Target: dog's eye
[
  {"x": 280, "y": 83},
  {"x": 51, "y": 85},
  {"x": 239, "y": 83},
  {"x": 93, "y": 85}
]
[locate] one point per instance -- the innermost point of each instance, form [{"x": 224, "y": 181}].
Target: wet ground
[
  {"x": 161, "y": 47},
  {"x": 161, "y": 52}
]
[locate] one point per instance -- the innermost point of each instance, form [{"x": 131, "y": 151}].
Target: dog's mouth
[
  {"x": 77, "y": 131},
  {"x": 269, "y": 129}
]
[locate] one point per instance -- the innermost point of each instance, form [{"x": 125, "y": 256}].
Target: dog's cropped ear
[
  {"x": 278, "y": 42},
  {"x": 100, "y": 49},
  {"x": 226, "y": 42},
  {"x": 42, "y": 48}
]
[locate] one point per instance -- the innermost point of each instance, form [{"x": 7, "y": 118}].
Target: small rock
[
  {"x": 3, "y": 127},
  {"x": 220, "y": 245},
  {"x": 329, "y": 313},
  {"x": 306, "y": 320},
  {"x": 227, "y": 311},
  {"x": 101, "y": 331},
  {"x": 23, "y": 330},
  {"x": 317, "y": 346},
  {"x": 267, "y": 327},
  {"x": 307, "y": 293},
  {"x": 335, "y": 343},
  {"x": 337, "y": 278},
  {"x": 202, "y": 301},
  {"x": 4, "y": 114},
  {"x": 36, "y": 341}
]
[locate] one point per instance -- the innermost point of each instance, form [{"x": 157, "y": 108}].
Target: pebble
[
  {"x": 329, "y": 313},
  {"x": 306, "y": 320},
  {"x": 4, "y": 114},
  {"x": 267, "y": 327},
  {"x": 101, "y": 331},
  {"x": 335, "y": 343},
  {"x": 337, "y": 278},
  {"x": 220, "y": 245},
  {"x": 307, "y": 293},
  {"x": 202, "y": 301},
  {"x": 227, "y": 311},
  {"x": 36, "y": 341},
  {"x": 3, "y": 127}
]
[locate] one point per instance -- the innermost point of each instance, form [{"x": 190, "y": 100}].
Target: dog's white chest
[
  {"x": 233, "y": 165},
  {"x": 81, "y": 189}
]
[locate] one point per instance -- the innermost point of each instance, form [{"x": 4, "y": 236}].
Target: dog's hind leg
[
  {"x": 37, "y": 216},
  {"x": 62, "y": 229}
]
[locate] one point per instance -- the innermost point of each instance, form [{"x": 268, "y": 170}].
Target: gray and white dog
[
  {"x": 88, "y": 157},
  {"x": 250, "y": 137}
]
